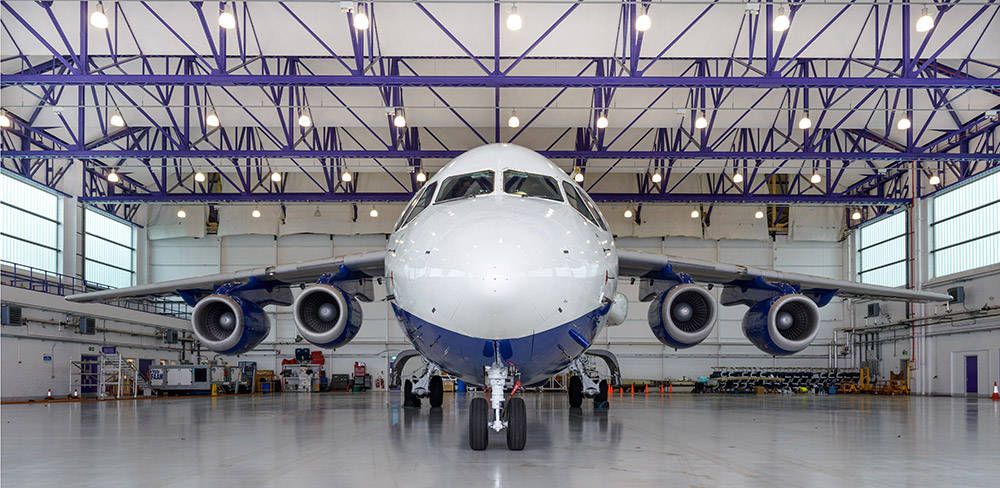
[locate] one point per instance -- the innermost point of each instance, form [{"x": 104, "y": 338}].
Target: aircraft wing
[
  {"x": 641, "y": 264},
  {"x": 351, "y": 267}
]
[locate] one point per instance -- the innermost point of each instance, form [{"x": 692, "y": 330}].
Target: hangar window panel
[
  {"x": 108, "y": 250},
  {"x": 30, "y": 232},
  {"x": 965, "y": 227},
  {"x": 882, "y": 251}
]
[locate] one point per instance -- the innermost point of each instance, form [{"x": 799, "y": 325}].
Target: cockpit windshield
[
  {"x": 531, "y": 185},
  {"x": 468, "y": 185}
]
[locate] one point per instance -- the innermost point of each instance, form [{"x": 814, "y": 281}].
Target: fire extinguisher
[{"x": 379, "y": 382}]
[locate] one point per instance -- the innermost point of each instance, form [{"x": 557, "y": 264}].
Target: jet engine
[
  {"x": 327, "y": 316},
  {"x": 783, "y": 324},
  {"x": 683, "y": 316},
  {"x": 229, "y": 324}
]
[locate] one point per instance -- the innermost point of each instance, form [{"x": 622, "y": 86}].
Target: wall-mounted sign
[{"x": 46, "y": 357}]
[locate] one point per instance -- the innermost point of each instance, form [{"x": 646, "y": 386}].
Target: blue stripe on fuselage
[{"x": 536, "y": 357}]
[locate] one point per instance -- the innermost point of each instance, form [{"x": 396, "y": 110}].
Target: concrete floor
[{"x": 367, "y": 440}]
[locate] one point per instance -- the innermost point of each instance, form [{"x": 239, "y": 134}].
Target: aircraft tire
[
  {"x": 575, "y": 392},
  {"x": 517, "y": 424},
  {"x": 437, "y": 391},
  {"x": 601, "y": 400},
  {"x": 479, "y": 434}
]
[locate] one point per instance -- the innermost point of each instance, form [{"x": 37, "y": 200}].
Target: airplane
[{"x": 501, "y": 271}]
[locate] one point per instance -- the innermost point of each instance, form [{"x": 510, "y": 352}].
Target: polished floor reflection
[{"x": 368, "y": 440}]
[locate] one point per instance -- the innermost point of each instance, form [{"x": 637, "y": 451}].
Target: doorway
[
  {"x": 972, "y": 374},
  {"x": 88, "y": 378}
]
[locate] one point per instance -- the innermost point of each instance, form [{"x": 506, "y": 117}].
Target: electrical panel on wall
[
  {"x": 170, "y": 337},
  {"x": 11, "y": 315},
  {"x": 88, "y": 325}
]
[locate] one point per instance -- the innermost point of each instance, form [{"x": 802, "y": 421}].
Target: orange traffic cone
[
  {"x": 996, "y": 393},
  {"x": 661, "y": 388},
  {"x": 48, "y": 396},
  {"x": 631, "y": 390},
  {"x": 76, "y": 394},
  {"x": 671, "y": 387},
  {"x": 646, "y": 389}
]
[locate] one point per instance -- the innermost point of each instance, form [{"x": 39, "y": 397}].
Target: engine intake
[
  {"x": 683, "y": 316},
  {"x": 327, "y": 316},
  {"x": 228, "y": 324},
  {"x": 782, "y": 325}
]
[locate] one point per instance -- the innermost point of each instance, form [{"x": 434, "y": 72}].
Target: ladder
[{"x": 118, "y": 377}]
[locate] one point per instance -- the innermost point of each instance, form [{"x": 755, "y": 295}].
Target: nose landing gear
[{"x": 498, "y": 414}]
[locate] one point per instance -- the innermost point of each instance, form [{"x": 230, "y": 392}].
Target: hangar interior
[{"x": 161, "y": 140}]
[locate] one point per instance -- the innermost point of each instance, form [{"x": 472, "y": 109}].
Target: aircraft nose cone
[
  {"x": 327, "y": 312},
  {"x": 683, "y": 312},
  {"x": 227, "y": 321},
  {"x": 784, "y": 320}
]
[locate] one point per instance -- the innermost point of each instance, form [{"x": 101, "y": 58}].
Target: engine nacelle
[
  {"x": 228, "y": 324},
  {"x": 782, "y": 325},
  {"x": 683, "y": 316},
  {"x": 327, "y": 316}
]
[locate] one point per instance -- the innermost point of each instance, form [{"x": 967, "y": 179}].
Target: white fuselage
[{"x": 501, "y": 271}]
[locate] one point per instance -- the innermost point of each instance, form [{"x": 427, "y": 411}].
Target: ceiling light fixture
[
  {"x": 276, "y": 177},
  {"x": 514, "y": 19},
  {"x": 226, "y": 19},
  {"x": 399, "y": 120},
  {"x": 701, "y": 122},
  {"x": 695, "y": 214},
  {"x": 903, "y": 124},
  {"x": 304, "y": 119},
  {"x": 4, "y": 121},
  {"x": 758, "y": 214},
  {"x": 113, "y": 177},
  {"x": 117, "y": 120},
  {"x": 657, "y": 178},
  {"x": 346, "y": 177},
  {"x": 602, "y": 122},
  {"x": 628, "y": 213},
  {"x": 373, "y": 213},
  {"x": 361, "y": 21},
  {"x": 256, "y": 213},
  {"x": 738, "y": 178},
  {"x": 316, "y": 213},
  {"x": 805, "y": 123},
  {"x": 781, "y": 22},
  {"x": 212, "y": 120},
  {"x": 578, "y": 175},
  {"x": 99, "y": 19},
  {"x": 925, "y": 22},
  {"x": 421, "y": 177},
  {"x": 181, "y": 214},
  {"x": 199, "y": 177},
  {"x": 934, "y": 180},
  {"x": 643, "y": 22},
  {"x": 513, "y": 122},
  {"x": 856, "y": 215},
  {"x": 815, "y": 178}
]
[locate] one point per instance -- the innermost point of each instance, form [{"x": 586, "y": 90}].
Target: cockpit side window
[
  {"x": 577, "y": 202},
  {"x": 468, "y": 185},
  {"x": 593, "y": 209},
  {"x": 418, "y": 205},
  {"x": 531, "y": 185}
]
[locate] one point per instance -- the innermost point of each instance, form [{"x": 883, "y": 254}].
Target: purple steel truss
[{"x": 242, "y": 156}]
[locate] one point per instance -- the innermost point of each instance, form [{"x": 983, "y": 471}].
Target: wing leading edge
[
  {"x": 354, "y": 266},
  {"x": 641, "y": 264}
]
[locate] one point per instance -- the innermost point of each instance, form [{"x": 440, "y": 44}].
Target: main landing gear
[
  {"x": 429, "y": 385},
  {"x": 581, "y": 382},
  {"x": 497, "y": 413}
]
